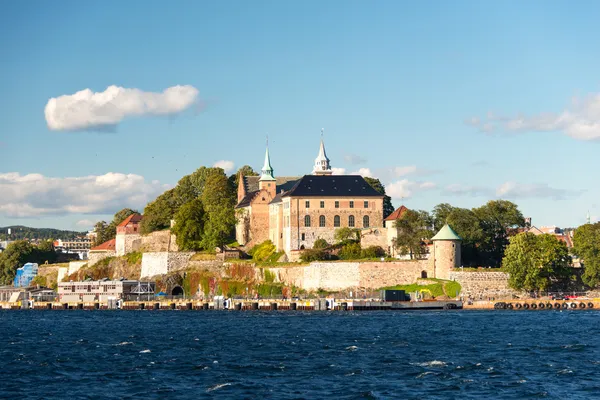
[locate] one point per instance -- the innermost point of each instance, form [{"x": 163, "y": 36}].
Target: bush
[
  {"x": 320, "y": 244},
  {"x": 309, "y": 255},
  {"x": 261, "y": 252},
  {"x": 38, "y": 280},
  {"x": 343, "y": 235},
  {"x": 372, "y": 252},
  {"x": 350, "y": 251}
]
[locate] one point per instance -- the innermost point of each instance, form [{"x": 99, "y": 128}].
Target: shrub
[
  {"x": 350, "y": 251},
  {"x": 39, "y": 280},
  {"x": 261, "y": 252},
  {"x": 452, "y": 288},
  {"x": 343, "y": 235},
  {"x": 309, "y": 255},
  {"x": 372, "y": 252},
  {"x": 320, "y": 244}
]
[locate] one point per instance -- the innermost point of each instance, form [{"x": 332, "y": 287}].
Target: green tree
[
  {"x": 342, "y": 235},
  {"x": 586, "y": 245},
  {"x": 498, "y": 219},
  {"x": 466, "y": 224},
  {"x": 413, "y": 230},
  {"x": 350, "y": 251},
  {"x": 218, "y": 202},
  {"x": 440, "y": 215},
  {"x": 16, "y": 254},
  {"x": 46, "y": 252},
  {"x": 320, "y": 244},
  {"x": 159, "y": 213},
  {"x": 189, "y": 225},
  {"x": 102, "y": 234},
  {"x": 534, "y": 262},
  {"x": 107, "y": 232},
  {"x": 246, "y": 170},
  {"x": 376, "y": 184}
]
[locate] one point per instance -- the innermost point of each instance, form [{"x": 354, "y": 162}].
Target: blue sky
[{"x": 457, "y": 102}]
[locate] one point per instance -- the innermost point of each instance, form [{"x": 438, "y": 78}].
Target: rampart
[{"x": 483, "y": 285}]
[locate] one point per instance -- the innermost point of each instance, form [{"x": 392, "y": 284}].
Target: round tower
[{"x": 446, "y": 252}]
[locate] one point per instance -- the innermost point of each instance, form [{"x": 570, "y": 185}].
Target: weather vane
[{"x": 322, "y": 129}]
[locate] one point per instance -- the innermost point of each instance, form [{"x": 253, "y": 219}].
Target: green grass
[{"x": 440, "y": 288}]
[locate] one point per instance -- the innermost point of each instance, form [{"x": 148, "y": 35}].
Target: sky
[{"x": 105, "y": 105}]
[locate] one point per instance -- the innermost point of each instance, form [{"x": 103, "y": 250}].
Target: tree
[
  {"x": 466, "y": 224},
  {"x": 107, "y": 232},
  {"x": 218, "y": 202},
  {"x": 346, "y": 234},
  {"x": 440, "y": 215},
  {"x": 320, "y": 244},
  {"x": 158, "y": 213},
  {"x": 534, "y": 262},
  {"x": 246, "y": 170},
  {"x": 102, "y": 234},
  {"x": 376, "y": 184},
  {"x": 189, "y": 225},
  {"x": 413, "y": 230},
  {"x": 20, "y": 252},
  {"x": 498, "y": 219},
  {"x": 586, "y": 245}
]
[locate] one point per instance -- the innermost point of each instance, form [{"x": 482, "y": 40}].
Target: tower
[
  {"x": 267, "y": 181},
  {"x": 322, "y": 166},
  {"x": 446, "y": 252}
]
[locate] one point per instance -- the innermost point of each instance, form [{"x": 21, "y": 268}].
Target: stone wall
[
  {"x": 74, "y": 266},
  {"x": 96, "y": 256},
  {"x": 483, "y": 285},
  {"x": 126, "y": 243},
  {"x": 158, "y": 241},
  {"x": 343, "y": 275},
  {"x": 160, "y": 263}
]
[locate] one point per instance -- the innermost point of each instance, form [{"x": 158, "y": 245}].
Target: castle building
[{"x": 293, "y": 212}]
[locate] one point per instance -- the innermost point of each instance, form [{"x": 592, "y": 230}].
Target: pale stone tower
[
  {"x": 267, "y": 181},
  {"x": 322, "y": 166},
  {"x": 446, "y": 252}
]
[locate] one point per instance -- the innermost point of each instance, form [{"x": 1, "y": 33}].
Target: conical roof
[
  {"x": 267, "y": 170},
  {"x": 446, "y": 233}
]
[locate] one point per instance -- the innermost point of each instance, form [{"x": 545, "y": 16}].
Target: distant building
[
  {"x": 128, "y": 235},
  {"x": 25, "y": 275},
  {"x": 102, "y": 251},
  {"x": 103, "y": 290},
  {"x": 80, "y": 246}
]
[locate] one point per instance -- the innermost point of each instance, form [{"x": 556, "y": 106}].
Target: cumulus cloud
[
  {"x": 36, "y": 195},
  {"x": 227, "y": 165},
  {"x": 404, "y": 188},
  {"x": 523, "y": 190},
  {"x": 467, "y": 190},
  {"x": 338, "y": 171},
  {"x": 85, "y": 223},
  {"x": 104, "y": 110},
  {"x": 354, "y": 159},
  {"x": 580, "y": 120},
  {"x": 365, "y": 172}
]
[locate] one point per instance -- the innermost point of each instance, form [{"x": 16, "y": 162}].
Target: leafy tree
[
  {"x": 107, "y": 232},
  {"x": 19, "y": 232},
  {"x": 218, "y": 202},
  {"x": 102, "y": 234},
  {"x": 372, "y": 252},
  {"x": 535, "y": 261},
  {"x": 376, "y": 184},
  {"x": 20, "y": 252},
  {"x": 189, "y": 225},
  {"x": 346, "y": 234},
  {"x": 158, "y": 213},
  {"x": 498, "y": 219},
  {"x": 466, "y": 224},
  {"x": 440, "y": 215},
  {"x": 350, "y": 251},
  {"x": 310, "y": 255},
  {"x": 320, "y": 244},
  {"x": 586, "y": 245},
  {"x": 413, "y": 230},
  {"x": 246, "y": 170}
]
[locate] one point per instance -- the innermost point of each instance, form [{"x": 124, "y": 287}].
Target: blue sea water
[{"x": 300, "y": 355}]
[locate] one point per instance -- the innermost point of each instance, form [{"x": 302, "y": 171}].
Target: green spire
[
  {"x": 446, "y": 233},
  {"x": 267, "y": 170}
]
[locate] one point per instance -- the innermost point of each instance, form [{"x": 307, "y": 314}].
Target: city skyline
[{"x": 106, "y": 105}]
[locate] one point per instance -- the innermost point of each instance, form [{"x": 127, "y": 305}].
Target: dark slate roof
[
  {"x": 277, "y": 198},
  {"x": 245, "y": 202},
  {"x": 332, "y": 186},
  {"x": 282, "y": 183}
]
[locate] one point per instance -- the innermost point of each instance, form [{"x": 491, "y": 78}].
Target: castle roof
[
  {"x": 332, "y": 186},
  {"x": 109, "y": 245},
  {"x": 398, "y": 212},
  {"x": 281, "y": 183},
  {"x": 267, "y": 170},
  {"x": 446, "y": 233},
  {"x": 132, "y": 219}
]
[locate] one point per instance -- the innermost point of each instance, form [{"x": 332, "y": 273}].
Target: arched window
[
  {"x": 351, "y": 221},
  {"x": 336, "y": 221},
  {"x": 322, "y": 221},
  {"x": 307, "y": 221},
  {"x": 366, "y": 221},
  {"x": 423, "y": 274}
]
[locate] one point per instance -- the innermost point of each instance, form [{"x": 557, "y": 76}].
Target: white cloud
[
  {"x": 404, "y": 188},
  {"x": 227, "y": 165},
  {"x": 88, "y": 110},
  {"x": 338, "y": 171},
  {"x": 35, "y": 195},
  {"x": 85, "y": 223},
  {"x": 354, "y": 159},
  {"x": 466, "y": 190},
  {"x": 403, "y": 171},
  {"x": 365, "y": 172},
  {"x": 581, "y": 120},
  {"x": 523, "y": 190}
]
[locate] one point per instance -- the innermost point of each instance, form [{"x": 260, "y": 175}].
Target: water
[{"x": 295, "y": 355}]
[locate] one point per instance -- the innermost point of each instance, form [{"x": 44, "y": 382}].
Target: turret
[
  {"x": 322, "y": 166},
  {"x": 446, "y": 252},
  {"x": 267, "y": 180}
]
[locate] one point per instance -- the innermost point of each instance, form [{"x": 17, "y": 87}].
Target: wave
[{"x": 217, "y": 387}]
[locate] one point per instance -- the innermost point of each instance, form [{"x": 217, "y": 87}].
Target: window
[
  {"x": 307, "y": 221},
  {"x": 366, "y": 204},
  {"x": 351, "y": 204},
  {"x": 303, "y": 236},
  {"x": 337, "y": 204},
  {"x": 336, "y": 221},
  {"x": 307, "y": 204},
  {"x": 366, "y": 221},
  {"x": 322, "y": 204},
  {"x": 351, "y": 221},
  {"x": 322, "y": 221}
]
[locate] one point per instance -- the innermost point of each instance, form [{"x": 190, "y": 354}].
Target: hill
[{"x": 19, "y": 232}]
